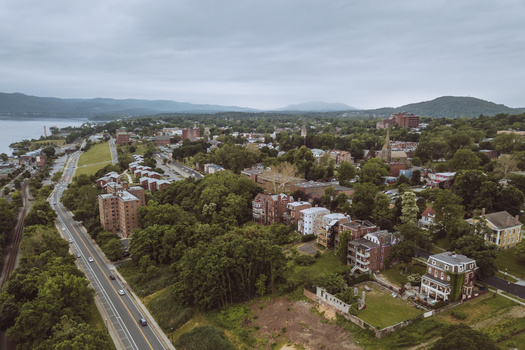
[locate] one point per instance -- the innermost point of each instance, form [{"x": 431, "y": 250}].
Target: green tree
[
  {"x": 345, "y": 173},
  {"x": 382, "y": 208},
  {"x": 463, "y": 337},
  {"x": 449, "y": 214},
  {"x": 474, "y": 246},
  {"x": 464, "y": 159},
  {"x": 342, "y": 250},
  {"x": 363, "y": 200},
  {"x": 204, "y": 338},
  {"x": 373, "y": 171},
  {"x": 409, "y": 210}
]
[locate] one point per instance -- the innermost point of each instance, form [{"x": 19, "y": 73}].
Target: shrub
[
  {"x": 459, "y": 315},
  {"x": 204, "y": 338},
  {"x": 304, "y": 260},
  {"x": 307, "y": 238}
]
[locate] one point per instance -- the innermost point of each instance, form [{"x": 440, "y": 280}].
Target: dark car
[
  {"x": 143, "y": 322},
  {"x": 111, "y": 277}
]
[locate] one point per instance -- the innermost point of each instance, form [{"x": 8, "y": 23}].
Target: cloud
[{"x": 264, "y": 54}]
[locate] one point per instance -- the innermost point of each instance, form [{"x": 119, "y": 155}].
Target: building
[
  {"x": 311, "y": 220},
  {"x": 427, "y": 218},
  {"x": 108, "y": 178},
  {"x": 190, "y": 133},
  {"x": 358, "y": 228},
  {"x": 211, "y": 168},
  {"x": 292, "y": 211},
  {"x": 403, "y": 120},
  {"x": 268, "y": 209},
  {"x": 316, "y": 189},
  {"x": 162, "y": 138},
  {"x": 342, "y": 156},
  {"x": 122, "y": 136},
  {"x": 368, "y": 254},
  {"x": 448, "y": 276},
  {"x": 119, "y": 209},
  {"x": 505, "y": 230},
  {"x": 329, "y": 233}
]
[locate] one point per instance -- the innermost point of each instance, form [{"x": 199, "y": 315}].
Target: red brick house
[
  {"x": 268, "y": 209},
  {"x": 368, "y": 254}
]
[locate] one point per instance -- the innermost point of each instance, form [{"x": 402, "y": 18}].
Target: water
[{"x": 18, "y": 130}]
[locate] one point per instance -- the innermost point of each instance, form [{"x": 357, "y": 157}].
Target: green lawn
[
  {"x": 382, "y": 310},
  {"x": 507, "y": 260},
  {"x": 98, "y": 153},
  {"x": 90, "y": 169},
  {"x": 397, "y": 276},
  {"x": 324, "y": 265}
]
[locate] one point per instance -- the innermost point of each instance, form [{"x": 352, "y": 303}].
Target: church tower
[{"x": 386, "y": 153}]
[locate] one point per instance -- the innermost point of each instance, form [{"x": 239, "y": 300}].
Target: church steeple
[{"x": 386, "y": 153}]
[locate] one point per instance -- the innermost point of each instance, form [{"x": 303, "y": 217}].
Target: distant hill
[
  {"x": 20, "y": 105},
  {"x": 450, "y": 107},
  {"x": 318, "y": 106}
]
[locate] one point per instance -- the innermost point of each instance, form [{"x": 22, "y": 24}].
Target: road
[
  {"x": 122, "y": 312},
  {"x": 113, "y": 151}
]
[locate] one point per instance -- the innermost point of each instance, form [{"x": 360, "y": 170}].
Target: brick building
[
  {"x": 329, "y": 232},
  {"x": 292, "y": 212},
  {"x": 358, "y": 228},
  {"x": 369, "y": 253},
  {"x": 311, "y": 220},
  {"x": 444, "y": 272},
  {"x": 162, "y": 138},
  {"x": 119, "y": 209},
  {"x": 403, "y": 120},
  {"x": 190, "y": 133},
  {"x": 268, "y": 209},
  {"x": 122, "y": 136}
]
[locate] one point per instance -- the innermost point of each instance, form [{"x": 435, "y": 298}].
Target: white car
[
  {"x": 90, "y": 259},
  {"x": 121, "y": 292}
]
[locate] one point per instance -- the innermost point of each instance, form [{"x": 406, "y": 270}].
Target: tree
[
  {"x": 410, "y": 237},
  {"x": 403, "y": 252},
  {"x": 345, "y": 173},
  {"x": 464, "y": 159},
  {"x": 278, "y": 176},
  {"x": 449, "y": 214},
  {"x": 342, "y": 250},
  {"x": 373, "y": 171},
  {"x": 409, "y": 210},
  {"x": 475, "y": 247},
  {"x": 402, "y": 180},
  {"x": 416, "y": 177},
  {"x": 204, "y": 338},
  {"x": 4, "y": 157},
  {"x": 363, "y": 200},
  {"x": 519, "y": 251},
  {"x": 511, "y": 200},
  {"x": 463, "y": 337},
  {"x": 505, "y": 165},
  {"x": 382, "y": 209}
]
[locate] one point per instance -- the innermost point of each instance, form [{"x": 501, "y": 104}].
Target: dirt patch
[
  {"x": 503, "y": 315},
  {"x": 281, "y": 319}
]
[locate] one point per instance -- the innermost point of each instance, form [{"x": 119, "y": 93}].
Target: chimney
[
  {"x": 516, "y": 219},
  {"x": 483, "y": 211},
  {"x": 508, "y": 220}
]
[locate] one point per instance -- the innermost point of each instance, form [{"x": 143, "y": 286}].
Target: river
[{"x": 18, "y": 130}]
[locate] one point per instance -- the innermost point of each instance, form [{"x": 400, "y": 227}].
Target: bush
[
  {"x": 168, "y": 313},
  {"x": 304, "y": 260},
  {"x": 307, "y": 238},
  {"x": 459, "y": 315},
  {"x": 204, "y": 338}
]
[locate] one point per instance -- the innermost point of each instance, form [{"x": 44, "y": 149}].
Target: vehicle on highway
[
  {"x": 121, "y": 292},
  {"x": 54, "y": 203},
  {"x": 111, "y": 277},
  {"x": 78, "y": 255},
  {"x": 71, "y": 240},
  {"x": 63, "y": 228},
  {"x": 143, "y": 322},
  {"x": 90, "y": 259}
]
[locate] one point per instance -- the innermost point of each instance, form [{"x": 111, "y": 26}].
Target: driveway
[{"x": 308, "y": 248}]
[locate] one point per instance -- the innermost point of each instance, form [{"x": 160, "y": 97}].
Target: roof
[
  {"x": 358, "y": 223},
  {"x": 363, "y": 243},
  {"x": 313, "y": 210},
  {"x": 296, "y": 204},
  {"x": 499, "y": 219},
  {"x": 429, "y": 211},
  {"x": 383, "y": 236},
  {"x": 452, "y": 258}
]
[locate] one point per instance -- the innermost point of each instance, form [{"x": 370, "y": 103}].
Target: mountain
[
  {"x": 20, "y": 105},
  {"x": 317, "y": 107},
  {"x": 450, "y": 107}
]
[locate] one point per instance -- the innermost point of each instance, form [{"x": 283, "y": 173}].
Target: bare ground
[{"x": 281, "y": 319}]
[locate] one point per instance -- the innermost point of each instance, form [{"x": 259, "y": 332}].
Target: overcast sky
[{"x": 265, "y": 54}]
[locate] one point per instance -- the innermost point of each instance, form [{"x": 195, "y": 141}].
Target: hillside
[
  {"x": 20, "y": 105},
  {"x": 318, "y": 106},
  {"x": 450, "y": 107}
]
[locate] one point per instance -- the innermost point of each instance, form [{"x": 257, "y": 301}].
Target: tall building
[
  {"x": 403, "y": 120},
  {"x": 119, "y": 210},
  {"x": 122, "y": 136},
  {"x": 329, "y": 233},
  {"x": 369, "y": 253},
  {"x": 190, "y": 133},
  {"x": 268, "y": 209},
  {"x": 311, "y": 220}
]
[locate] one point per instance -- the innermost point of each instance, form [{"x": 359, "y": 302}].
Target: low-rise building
[
  {"x": 311, "y": 220},
  {"x": 368, "y": 254},
  {"x": 448, "y": 276},
  {"x": 328, "y": 235},
  {"x": 292, "y": 211},
  {"x": 427, "y": 218},
  {"x": 358, "y": 228},
  {"x": 505, "y": 230},
  {"x": 268, "y": 209}
]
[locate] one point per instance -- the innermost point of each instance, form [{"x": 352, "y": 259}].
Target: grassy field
[
  {"x": 382, "y": 310},
  {"x": 98, "y": 153},
  {"x": 324, "y": 265},
  {"x": 507, "y": 260},
  {"x": 59, "y": 143},
  {"x": 90, "y": 169}
]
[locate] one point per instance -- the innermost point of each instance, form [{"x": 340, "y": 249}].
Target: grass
[
  {"x": 324, "y": 265},
  {"x": 507, "y": 260},
  {"x": 98, "y": 153},
  {"x": 168, "y": 313},
  {"x": 195, "y": 321},
  {"x": 382, "y": 310},
  {"x": 442, "y": 243},
  {"x": 90, "y": 169},
  {"x": 59, "y": 143},
  {"x": 396, "y": 275},
  {"x": 96, "y": 322},
  {"x": 150, "y": 282}
]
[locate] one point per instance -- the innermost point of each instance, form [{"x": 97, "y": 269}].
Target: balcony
[{"x": 361, "y": 254}]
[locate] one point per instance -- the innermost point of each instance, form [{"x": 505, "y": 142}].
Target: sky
[{"x": 265, "y": 54}]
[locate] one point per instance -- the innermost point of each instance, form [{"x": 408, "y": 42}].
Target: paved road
[
  {"x": 186, "y": 169},
  {"x": 122, "y": 312},
  {"x": 113, "y": 151},
  {"x": 506, "y": 286}
]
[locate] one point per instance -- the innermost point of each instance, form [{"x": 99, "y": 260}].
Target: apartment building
[
  {"x": 358, "y": 228},
  {"x": 292, "y": 211},
  {"x": 444, "y": 272},
  {"x": 329, "y": 231},
  {"x": 311, "y": 220},
  {"x": 119, "y": 210},
  {"x": 368, "y": 254},
  {"x": 268, "y": 209},
  {"x": 122, "y": 136}
]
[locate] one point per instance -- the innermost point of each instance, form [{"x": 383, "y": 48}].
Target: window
[
  {"x": 435, "y": 273},
  {"x": 429, "y": 269},
  {"x": 446, "y": 267},
  {"x": 442, "y": 275}
]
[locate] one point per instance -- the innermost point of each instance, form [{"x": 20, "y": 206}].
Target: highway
[{"x": 122, "y": 312}]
